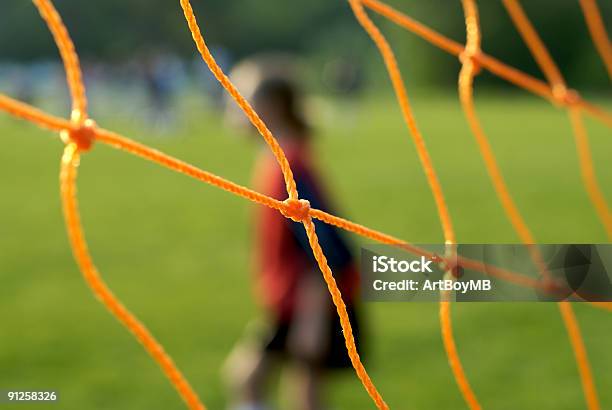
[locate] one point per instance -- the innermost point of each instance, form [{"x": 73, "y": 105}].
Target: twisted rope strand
[
  {"x": 466, "y": 78},
  {"x": 598, "y": 32},
  {"x": 580, "y": 353},
  {"x": 453, "y": 357},
  {"x": 31, "y": 114},
  {"x": 402, "y": 98},
  {"x": 466, "y": 96},
  {"x": 80, "y": 132},
  {"x": 121, "y": 143},
  {"x": 553, "y": 74},
  {"x": 68, "y": 175},
  {"x": 239, "y": 99},
  {"x": 291, "y": 191},
  {"x": 292, "y": 207},
  {"x": 534, "y": 42},
  {"x": 492, "y": 64},
  {"x": 559, "y": 87},
  {"x": 465, "y": 86},
  {"x": 74, "y": 77},
  {"x": 124, "y": 144},
  {"x": 587, "y": 171},
  {"x": 443, "y": 213},
  {"x": 342, "y": 313},
  {"x": 129, "y": 146}
]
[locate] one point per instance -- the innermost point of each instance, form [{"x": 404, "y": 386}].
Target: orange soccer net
[{"x": 79, "y": 133}]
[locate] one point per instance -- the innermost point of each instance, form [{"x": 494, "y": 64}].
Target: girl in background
[{"x": 303, "y": 330}]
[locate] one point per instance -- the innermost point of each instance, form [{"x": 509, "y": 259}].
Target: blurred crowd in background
[
  {"x": 153, "y": 86},
  {"x": 142, "y": 51}
]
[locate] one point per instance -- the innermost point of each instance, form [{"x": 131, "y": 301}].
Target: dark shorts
[{"x": 335, "y": 356}]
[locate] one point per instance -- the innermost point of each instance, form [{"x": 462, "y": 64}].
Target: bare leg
[
  {"x": 308, "y": 343},
  {"x": 246, "y": 372},
  {"x": 304, "y": 384}
]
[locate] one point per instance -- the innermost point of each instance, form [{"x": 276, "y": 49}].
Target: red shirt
[{"x": 282, "y": 252}]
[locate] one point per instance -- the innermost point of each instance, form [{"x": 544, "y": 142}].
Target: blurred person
[
  {"x": 162, "y": 74},
  {"x": 23, "y": 84},
  {"x": 343, "y": 75},
  {"x": 302, "y": 332}
]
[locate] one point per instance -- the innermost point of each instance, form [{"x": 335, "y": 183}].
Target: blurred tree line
[{"x": 117, "y": 30}]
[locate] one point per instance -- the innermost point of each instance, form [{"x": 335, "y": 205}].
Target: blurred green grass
[{"x": 177, "y": 252}]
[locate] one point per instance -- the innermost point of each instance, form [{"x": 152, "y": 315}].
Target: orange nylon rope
[
  {"x": 135, "y": 148},
  {"x": 453, "y": 357},
  {"x": 292, "y": 203},
  {"x": 34, "y": 115},
  {"x": 533, "y": 41},
  {"x": 580, "y": 354},
  {"x": 68, "y": 54},
  {"x": 466, "y": 79},
  {"x": 22, "y": 110},
  {"x": 45, "y": 120},
  {"x": 588, "y": 172},
  {"x": 598, "y": 32},
  {"x": 443, "y": 213},
  {"x": 342, "y": 313},
  {"x": 240, "y": 100},
  {"x": 402, "y": 98},
  {"x": 495, "y": 66},
  {"x": 68, "y": 174},
  {"x": 472, "y": 49},
  {"x": 465, "y": 86},
  {"x": 81, "y": 133},
  {"x": 586, "y": 377},
  {"x": 557, "y": 83},
  {"x": 466, "y": 95},
  {"x": 552, "y": 73}
]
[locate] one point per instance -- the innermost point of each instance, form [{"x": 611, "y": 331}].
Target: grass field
[{"x": 177, "y": 252}]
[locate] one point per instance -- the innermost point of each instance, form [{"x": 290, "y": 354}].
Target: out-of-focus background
[{"x": 178, "y": 252}]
